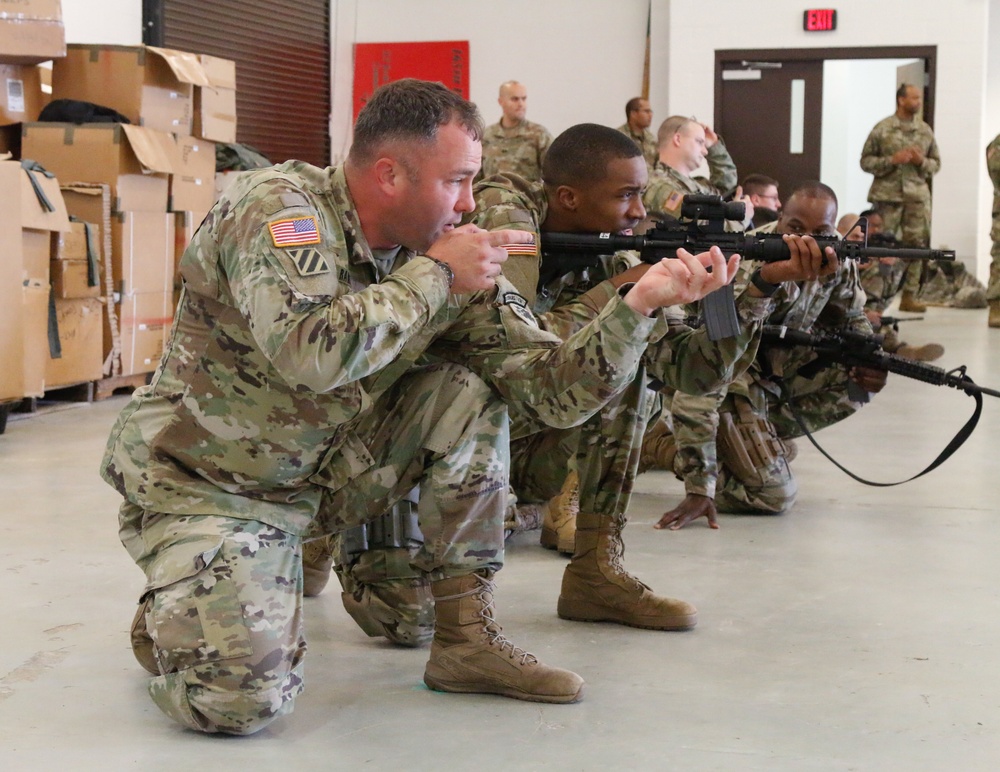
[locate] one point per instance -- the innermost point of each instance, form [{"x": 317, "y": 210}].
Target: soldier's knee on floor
[{"x": 218, "y": 700}]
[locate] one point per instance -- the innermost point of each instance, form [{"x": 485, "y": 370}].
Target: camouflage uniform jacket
[
  {"x": 667, "y": 186},
  {"x": 678, "y": 356},
  {"x": 276, "y": 351},
  {"x": 517, "y": 150},
  {"x": 646, "y": 141},
  {"x": 993, "y": 168},
  {"x": 900, "y": 182}
]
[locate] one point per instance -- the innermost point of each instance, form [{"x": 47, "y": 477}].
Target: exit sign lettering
[{"x": 819, "y": 20}]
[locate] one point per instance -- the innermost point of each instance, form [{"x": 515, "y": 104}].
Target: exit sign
[{"x": 819, "y": 20}]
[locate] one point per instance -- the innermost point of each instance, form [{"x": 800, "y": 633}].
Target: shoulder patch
[
  {"x": 294, "y": 231},
  {"x": 309, "y": 261},
  {"x": 519, "y": 305},
  {"x": 673, "y": 201},
  {"x": 294, "y": 198}
]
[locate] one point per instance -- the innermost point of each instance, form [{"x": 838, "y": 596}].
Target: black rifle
[
  {"x": 856, "y": 349},
  {"x": 701, "y": 227},
  {"x": 893, "y": 321}
]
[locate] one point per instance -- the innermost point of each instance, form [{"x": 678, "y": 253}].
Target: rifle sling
[{"x": 956, "y": 442}]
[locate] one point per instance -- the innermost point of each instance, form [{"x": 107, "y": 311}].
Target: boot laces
[
  {"x": 615, "y": 549},
  {"x": 493, "y": 630}
]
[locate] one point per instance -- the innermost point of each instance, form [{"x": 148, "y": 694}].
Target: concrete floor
[{"x": 858, "y": 632}]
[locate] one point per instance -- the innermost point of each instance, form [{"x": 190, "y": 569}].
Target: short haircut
[
  {"x": 901, "y": 91},
  {"x": 814, "y": 189},
  {"x": 409, "y": 110},
  {"x": 869, "y": 213},
  {"x": 671, "y": 126},
  {"x": 632, "y": 105},
  {"x": 756, "y": 184},
  {"x": 581, "y": 154}
]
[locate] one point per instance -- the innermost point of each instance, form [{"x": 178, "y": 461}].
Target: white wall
[
  {"x": 857, "y": 94},
  {"x": 580, "y": 60},
  {"x": 959, "y": 29}
]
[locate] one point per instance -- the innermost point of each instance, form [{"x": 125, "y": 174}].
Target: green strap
[
  {"x": 55, "y": 345},
  {"x": 32, "y": 168},
  {"x": 93, "y": 263}
]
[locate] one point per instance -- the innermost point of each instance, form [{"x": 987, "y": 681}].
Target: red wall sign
[
  {"x": 378, "y": 63},
  {"x": 819, "y": 20}
]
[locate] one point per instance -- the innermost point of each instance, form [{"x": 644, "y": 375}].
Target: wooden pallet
[{"x": 107, "y": 387}]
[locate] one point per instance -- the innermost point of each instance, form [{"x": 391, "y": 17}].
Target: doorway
[{"x": 774, "y": 106}]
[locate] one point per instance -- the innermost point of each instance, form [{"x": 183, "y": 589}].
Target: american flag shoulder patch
[
  {"x": 294, "y": 231},
  {"x": 674, "y": 200},
  {"x": 520, "y": 249}
]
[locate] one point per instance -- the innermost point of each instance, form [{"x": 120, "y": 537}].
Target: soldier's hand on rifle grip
[
  {"x": 870, "y": 379},
  {"x": 684, "y": 280}
]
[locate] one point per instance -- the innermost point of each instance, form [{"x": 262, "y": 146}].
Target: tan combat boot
[
  {"x": 317, "y": 562},
  {"x": 909, "y": 302},
  {"x": 659, "y": 448},
  {"x": 596, "y": 588},
  {"x": 925, "y": 353},
  {"x": 994, "y": 313},
  {"x": 471, "y": 655},
  {"x": 559, "y": 522}
]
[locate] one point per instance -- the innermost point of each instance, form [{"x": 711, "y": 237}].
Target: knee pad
[{"x": 749, "y": 447}]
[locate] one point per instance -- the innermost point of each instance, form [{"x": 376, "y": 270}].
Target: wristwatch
[
  {"x": 763, "y": 284},
  {"x": 448, "y": 273}
]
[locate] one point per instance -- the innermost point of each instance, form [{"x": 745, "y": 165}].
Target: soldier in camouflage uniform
[
  {"x": 683, "y": 145},
  {"x": 594, "y": 178},
  {"x": 514, "y": 145},
  {"x": 993, "y": 289},
  {"x": 638, "y": 117},
  {"x": 902, "y": 155},
  {"x": 732, "y": 446},
  {"x": 318, "y": 371}
]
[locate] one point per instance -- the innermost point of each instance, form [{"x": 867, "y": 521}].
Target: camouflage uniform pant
[
  {"x": 765, "y": 485},
  {"x": 993, "y": 289},
  {"x": 223, "y": 599},
  {"x": 910, "y": 222},
  {"x": 604, "y": 451}
]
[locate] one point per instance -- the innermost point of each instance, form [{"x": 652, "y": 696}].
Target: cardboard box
[
  {"x": 35, "y": 302},
  {"x": 31, "y": 31},
  {"x": 71, "y": 279},
  {"x": 11, "y": 282},
  {"x": 142, "y": 252},
  {"x": 192, "y": 188},
  {"x": 79, "y": 322},
  {"x": 145, "y": 320},
  {"x": 134, "y": 162},
  {"x": 91, "y": 202},
  {"x": 70, "y": 267},
  {"x": 152, "y": 87},
  {"x": 215, "y": 104},
  {"x": 20, "y": 93}
]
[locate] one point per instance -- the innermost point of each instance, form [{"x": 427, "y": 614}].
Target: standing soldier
[
  {"x": 639, "y": 116},
  {"x": 993, "y": 290},
  {"x": 515, "y": 145},
  {"x": 902, "y": 154}
]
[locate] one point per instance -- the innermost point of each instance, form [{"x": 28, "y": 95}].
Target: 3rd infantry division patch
[{"x": 309, "y": 261}]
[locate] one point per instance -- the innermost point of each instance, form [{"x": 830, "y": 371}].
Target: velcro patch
[
  {"x": 309, "y": 261},
  {"x": 294, "y": 232}
]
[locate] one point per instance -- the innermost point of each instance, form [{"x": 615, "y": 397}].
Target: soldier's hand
[
  {"x": 474, "y": 255},
  {"x": 710, "y": 136},
  {"x": 739, "y": 195},
  {"x": 691, "y": 508},
  {"x": 685, "y": 279},
  {"x": 806, "y": 261},
  {"x": 916, "y": 156},
  {"x": 902, "y": 156},
  {"x": 870, "y": 379}
]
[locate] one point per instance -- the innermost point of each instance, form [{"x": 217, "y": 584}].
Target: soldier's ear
[
  {"x": 388, "y": 172},
  {"x": 568, "y": 198}
]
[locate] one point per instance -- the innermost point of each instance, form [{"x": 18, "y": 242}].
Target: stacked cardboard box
[
  {"x": 159, "y": 178},
  {"x": 31, "y": 31},
  {"x": 31, "y": 209}
]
